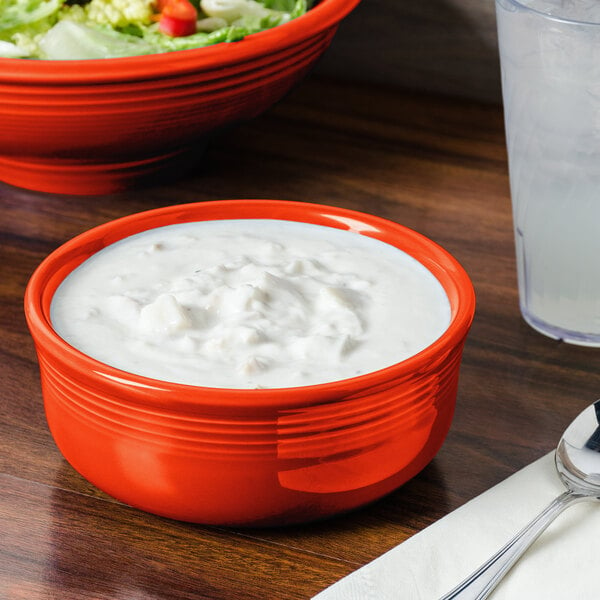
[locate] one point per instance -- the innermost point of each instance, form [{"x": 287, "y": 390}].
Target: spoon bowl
[
  {"x": 577, "y": 459},
  {"x": 578, "y": 453}
]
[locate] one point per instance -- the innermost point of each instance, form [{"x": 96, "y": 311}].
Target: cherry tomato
[{"x": 177, "y": 17}]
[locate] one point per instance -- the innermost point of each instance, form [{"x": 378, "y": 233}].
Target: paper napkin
[{"x": 563, "y": 564}]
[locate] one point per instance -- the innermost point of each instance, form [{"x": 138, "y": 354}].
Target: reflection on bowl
[
  {"x": 240, "y": 456},
  {"x": 97, "y": 126}
]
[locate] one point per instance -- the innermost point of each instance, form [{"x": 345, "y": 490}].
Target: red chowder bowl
[
  {"x": 98, "y": 126},
  {"x": 249, "y": 457}
]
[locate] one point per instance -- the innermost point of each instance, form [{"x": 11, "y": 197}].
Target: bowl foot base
[{"x": 88, "y": 177}]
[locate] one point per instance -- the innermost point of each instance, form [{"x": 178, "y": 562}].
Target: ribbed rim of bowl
[
  {"x": 326, "y": 14},
  {"x": 54, "y": 268}
]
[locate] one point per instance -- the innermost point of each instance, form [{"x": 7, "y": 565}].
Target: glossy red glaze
[
  {"x": 97, "y": 126},
  {"x": 248, "y": 457}
]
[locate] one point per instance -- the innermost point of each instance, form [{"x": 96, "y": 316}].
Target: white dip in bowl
[{"x": 250, "y": 303}]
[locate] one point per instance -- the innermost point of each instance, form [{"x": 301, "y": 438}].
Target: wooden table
[{"x": 436, "y": 165}]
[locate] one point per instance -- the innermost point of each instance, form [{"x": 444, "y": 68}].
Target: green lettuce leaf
[{"x": 17, "y": 13}]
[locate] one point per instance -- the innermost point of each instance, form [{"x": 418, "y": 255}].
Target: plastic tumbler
[{"x": 550, "y": 63}]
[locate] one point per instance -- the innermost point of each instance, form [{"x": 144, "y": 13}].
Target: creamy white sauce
[{"x": 250, "y": 304}]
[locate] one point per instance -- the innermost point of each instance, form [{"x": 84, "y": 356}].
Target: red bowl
[
  {"x": 249, "y": 457},
  {"x": 97, "y": 126}
]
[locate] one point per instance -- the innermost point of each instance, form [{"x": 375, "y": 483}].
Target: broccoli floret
[
  {"x": 73, "y": 12},
  {"x": 120, "y": 13}
]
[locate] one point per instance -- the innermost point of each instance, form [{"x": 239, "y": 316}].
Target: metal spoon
[{"x": 577, "y": 460}]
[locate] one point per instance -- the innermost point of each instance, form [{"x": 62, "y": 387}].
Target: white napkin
[{"x": 563, "y": 564}]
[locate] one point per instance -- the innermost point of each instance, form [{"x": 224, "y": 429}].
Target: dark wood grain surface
[{"x": 434, "y": 164}]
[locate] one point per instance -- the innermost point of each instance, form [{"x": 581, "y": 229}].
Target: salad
[{"x": 86, "y": 29}]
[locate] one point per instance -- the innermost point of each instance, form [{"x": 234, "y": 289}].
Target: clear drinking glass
[{"x": 550, "y": 61}]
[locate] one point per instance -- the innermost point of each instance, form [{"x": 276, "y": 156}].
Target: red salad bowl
[
  {"x": 249, "y": 457},
  {"x": 98, "y": 126}
]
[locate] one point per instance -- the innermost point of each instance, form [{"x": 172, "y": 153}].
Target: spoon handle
[{"x": 481, "y": 583}]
